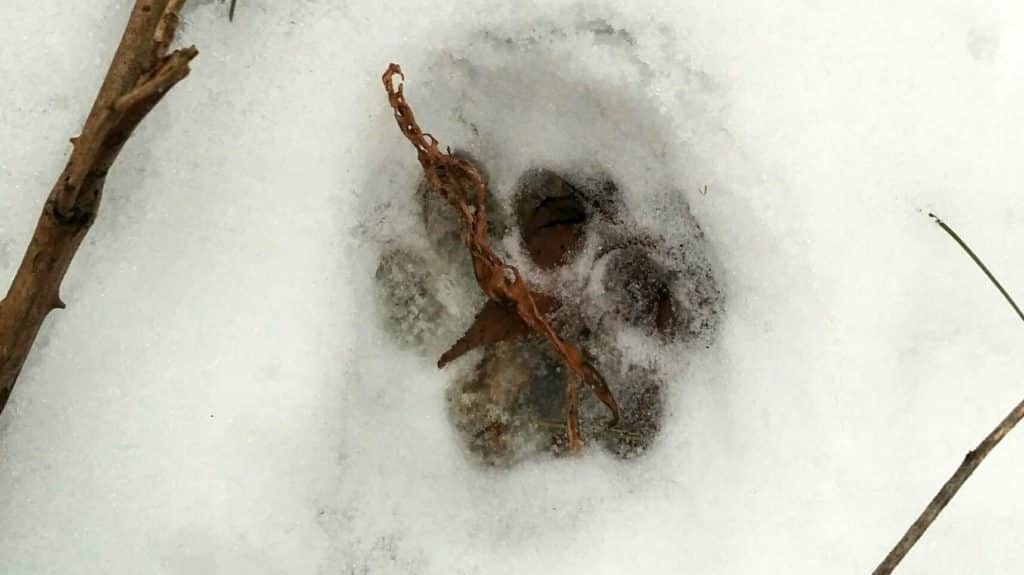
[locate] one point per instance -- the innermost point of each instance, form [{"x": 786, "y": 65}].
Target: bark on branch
[{"x": 141, "y": 73}]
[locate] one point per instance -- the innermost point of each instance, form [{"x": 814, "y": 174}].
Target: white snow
[{"x": 221, "y": 396}]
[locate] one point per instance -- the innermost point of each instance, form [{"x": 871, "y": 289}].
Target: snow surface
[{"x": 221, "y": 395}]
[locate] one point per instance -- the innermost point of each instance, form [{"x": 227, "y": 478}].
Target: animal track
[{"x": 509, "y": 405}]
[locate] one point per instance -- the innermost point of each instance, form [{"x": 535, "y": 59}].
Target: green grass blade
[{"x": 981, "y": 264}]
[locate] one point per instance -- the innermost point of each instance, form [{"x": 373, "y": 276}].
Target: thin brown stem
[
  {"x": 973, "y": 459},
  {"x": 949, "y": 489},
  {"x": 459, "y": 182}
]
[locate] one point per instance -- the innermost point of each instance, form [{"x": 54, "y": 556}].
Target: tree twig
[
  {"x": 973, "y": 458},
  {"x": 140, "y": 74}
]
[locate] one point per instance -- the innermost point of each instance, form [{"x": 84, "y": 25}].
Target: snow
[{"x": 222, "y": 394}]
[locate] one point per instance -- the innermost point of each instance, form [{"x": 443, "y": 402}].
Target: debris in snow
[
  {"x": 458, "y": 181},
  {"x": 507, "y": 403}
]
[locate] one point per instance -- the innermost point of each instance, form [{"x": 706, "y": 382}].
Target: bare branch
[
  {"x": 139, "y": 75},
  {"x": 172, "y": 70}
]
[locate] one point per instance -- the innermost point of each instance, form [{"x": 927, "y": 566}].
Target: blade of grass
[
  {"x": 978, "y": 261},
  {"x": 231, "y": 11},
  {"x": 973, "y": 458}
]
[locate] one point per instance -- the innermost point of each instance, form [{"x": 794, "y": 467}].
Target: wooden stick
[{"x": 141, "y": 73}]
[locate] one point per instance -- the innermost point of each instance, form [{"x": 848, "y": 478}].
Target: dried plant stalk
[
  {"x": 139, "y": 76},
  {"x": 973, "y": 458},
  {"x": 949, "y": 489},
  {"x": 458, "y": 181}
]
